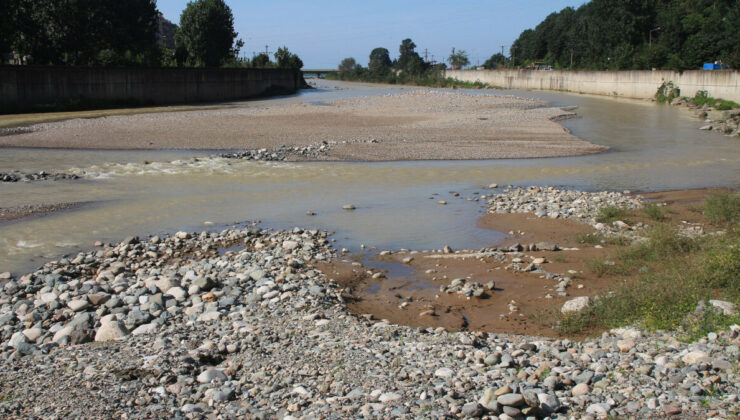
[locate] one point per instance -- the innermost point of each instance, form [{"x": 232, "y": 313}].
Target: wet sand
[
  {"x": 418, "y": 125},
  {"x": 533, "y": 295}
]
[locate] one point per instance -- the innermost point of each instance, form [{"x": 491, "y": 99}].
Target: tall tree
[
  {"x": 261, "y": 61},
  {"x": 348, "y": 65},
  {"x": 6, "y": 27},
  {"x": 458, "y": 59},
  {"x": 380, "y": 62},
  {"x": 287, "y": 60},
  {"x": 494, "y": 61},
  {"x": 76, "y": 32},
  {"x": 409, "y": 61},
  {"x": 206, "y": 32},
  {"x": 636, "y": 34}
]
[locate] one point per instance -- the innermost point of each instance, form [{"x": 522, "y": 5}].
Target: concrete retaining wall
[
  {"x": 628, "y": 84},
  {"x": 23, "y": 87}
]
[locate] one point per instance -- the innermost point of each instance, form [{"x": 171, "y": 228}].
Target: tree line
[
  {"x": 407, "y": 68},
  {"x": 125, "y": 33},
  {"x": 635, "y": 35}
]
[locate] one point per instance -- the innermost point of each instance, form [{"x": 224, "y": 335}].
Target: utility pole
[
  {"x": 512, "y": 49},
  {"x": 426, "y": 58},
  {"x": 571, "y": 58},
  {"x": 502, "y": 49}
]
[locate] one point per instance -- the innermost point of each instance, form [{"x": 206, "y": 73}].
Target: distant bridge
[{"x": 320, "y": 73}]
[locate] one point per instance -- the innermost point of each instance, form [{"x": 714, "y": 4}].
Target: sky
[{"x": 323, "y": 32}]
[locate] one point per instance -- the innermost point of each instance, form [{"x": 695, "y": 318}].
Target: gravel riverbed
[{"x": 240, "y": 324}]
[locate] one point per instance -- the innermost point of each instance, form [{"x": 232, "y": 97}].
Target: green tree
[
  {"x": 84, "y": 32},
  {"x": 287, "y": 60},
  {"x": 380, "y": 62},
  {"x": 206, "y": 33},
  {"x": 6, "y": 27},
  {"x": 458, "y": 59},
  {"x": 348, "y": 65},
  {"x": 409, "y": 61},
  {"x": 636, "y": 34},
  {"x": 261, "y": 61},
  {"x": 495, "y": 61}
]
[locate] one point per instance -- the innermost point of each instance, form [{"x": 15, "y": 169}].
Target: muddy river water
[{"x": 652, "y": 148}]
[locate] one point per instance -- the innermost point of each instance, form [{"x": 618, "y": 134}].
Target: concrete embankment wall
[
  {"x": 27, "y": 87},
  {"x": 628, "y": 84}
]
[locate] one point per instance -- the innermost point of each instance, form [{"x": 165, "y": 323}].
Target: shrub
[
  {"x": 654, "y": 212},
  {"x": 702, "y": 98},
  {"x": 667, "y": 92},
  {"x": 609, "y": 214},
  {"x": 723, "y": 209}
]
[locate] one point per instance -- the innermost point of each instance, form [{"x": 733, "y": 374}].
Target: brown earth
[
  {"x": 410, "y": 126},
  {"x": 382, "y": 297}
]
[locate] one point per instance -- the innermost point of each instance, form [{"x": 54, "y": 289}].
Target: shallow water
[{"x": 653, "y": 148}]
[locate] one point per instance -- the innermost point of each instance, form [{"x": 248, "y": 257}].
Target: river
[{"x": 652, "y": 148}]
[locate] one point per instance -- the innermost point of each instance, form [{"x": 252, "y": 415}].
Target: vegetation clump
[
  {"x": 667, "y": 92},
  {"x": 702, "y": 98},
  {"x": 610, "y": 214},
  {"x": 409, "y": 69},
  {"x": 635, "y": 35},
  {"x": 125, "y": 33},
  {"x": 723, "y": 209},
  {"x": 666, "y": 280}
]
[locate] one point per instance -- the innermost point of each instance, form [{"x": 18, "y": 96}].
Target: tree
[
  {"x": 6, "y": 27},
  {"x": 495, "y": 61},
  {"x": 380, "y": 62},
  {"x": 206, "y": 32},
  {"x": 409, "y": 61},
  {"x": 348, "y": 65},
  {"x": 286, "y": 60},
  {"x": 458, "y": 59},
  {"x": 83, "y": 32},
  {"x": 635, "y": 34},
  {"x": 261, "y": 61}
]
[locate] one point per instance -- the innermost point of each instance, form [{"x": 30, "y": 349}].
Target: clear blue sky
[{"x": 323, "y": 32}]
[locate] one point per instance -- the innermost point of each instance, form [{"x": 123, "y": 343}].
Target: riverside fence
[
  {"x": 40, "y": 87},
  {"x": 629, "y": 84}
]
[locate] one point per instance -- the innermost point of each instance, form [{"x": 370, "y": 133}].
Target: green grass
[
  {"x": 602, "y": 268},
  {"x": 659, "y": 282},
  {"x": 723, "y": 209},
  {"x": 598, "y": 238},
  {"x": 653, "y": 212},
  {"x": 702, "y": 98},
  {"x": 610, "y": 214}
]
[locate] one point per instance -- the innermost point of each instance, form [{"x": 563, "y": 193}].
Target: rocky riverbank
[
  {"x": 20, "y": 212},
  {"x": 242, "y": 323},
  {"x": 724, "y": 121},
  {"x": 17, "y": 176}
]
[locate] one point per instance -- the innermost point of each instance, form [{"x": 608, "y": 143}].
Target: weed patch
[
  {"x": 723, "y": 209},
  {"x": 702, "y": 98},
  {"x": 659, "y": 282},
  {"x": 654, "y": 212},
  {"x": 610, "y": 214}
]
